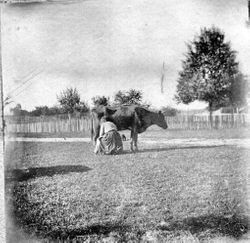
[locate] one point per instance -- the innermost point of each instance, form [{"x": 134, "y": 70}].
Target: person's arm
[
  {"x": 101, "y": 130},
  {"x": 115, "y": 127}
]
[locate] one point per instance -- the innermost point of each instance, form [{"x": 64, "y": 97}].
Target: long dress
[{"x": 109, "y": 141}]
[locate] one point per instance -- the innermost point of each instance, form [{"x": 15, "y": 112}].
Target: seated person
[{"x": 109, "y": 140}]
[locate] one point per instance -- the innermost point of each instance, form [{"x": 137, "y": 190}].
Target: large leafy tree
[
  {"x": 208, "y": 71},
  {"x": 238, "y": 91},
  {"x": 128, "y": 97},
  {"x": 69, "y": 100}
]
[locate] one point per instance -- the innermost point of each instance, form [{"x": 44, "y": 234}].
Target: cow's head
[
  {"x": 161, "y": 122},
  {"x": 109, "y": 112},
  {"x": 101, "y": 111}
]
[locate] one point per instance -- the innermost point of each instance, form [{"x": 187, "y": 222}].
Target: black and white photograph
[{"x": 125, "y": 121}]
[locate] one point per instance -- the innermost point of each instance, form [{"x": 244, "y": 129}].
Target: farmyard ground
[{"x": 162, "y": 193}]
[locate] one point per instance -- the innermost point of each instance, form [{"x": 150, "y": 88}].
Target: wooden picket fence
[
  {"x": 83, "y": 124},
  {"x": 43, "y": 125},
  {"x": 203, "y": 122}
]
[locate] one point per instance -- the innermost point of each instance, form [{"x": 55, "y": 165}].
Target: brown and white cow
[{"x": 127, "y": 117}]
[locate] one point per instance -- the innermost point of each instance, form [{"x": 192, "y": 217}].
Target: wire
[
  {"x": 25, "y": 76},
  {"x": 27, "y": 86},
  {"x": 23, "y": 83},
  {"x": 22, "y": 90}
]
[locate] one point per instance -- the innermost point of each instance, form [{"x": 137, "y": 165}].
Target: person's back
[
  {"x": 106, "y": 127},
  {"x": 109, "y": 141}
]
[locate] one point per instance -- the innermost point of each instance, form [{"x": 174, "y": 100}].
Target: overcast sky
[{"x": 102, "y": 46}]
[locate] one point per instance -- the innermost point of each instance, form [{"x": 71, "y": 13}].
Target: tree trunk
[
  {"x": 232, "y": 118},
  {"x": 210, "y": 115},
  {"x": 69, "y": 116}
]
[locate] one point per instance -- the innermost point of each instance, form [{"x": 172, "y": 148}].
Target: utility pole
[
  {"x": 248, "y": 10},
  {"x": 2, "y": 191},
  {"x": 248, "y": 21},
  {"x": 2, "y": 122}
]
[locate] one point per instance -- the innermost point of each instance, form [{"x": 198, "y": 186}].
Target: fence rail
[
  {"x": 203, "y": 122},
  {"x": 49, "y": 125},
  {"x": 83, "y": 124}
]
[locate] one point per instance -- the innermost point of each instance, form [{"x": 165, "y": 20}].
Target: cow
[{"x": 127, "y": 117}]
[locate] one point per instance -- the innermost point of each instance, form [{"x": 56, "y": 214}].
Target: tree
[
  {"x": 40, "y": 111},
  {"x": 55, "y": 110},
  {"x": 17, "y": 111},
  {"x": 134, "y": 96},
  {"x": 46, "y": 111},
  {"x": 100, "y": 100},
  {"x": 69, "y": 99},
  {"x": 208, "y": 70},
  {"x": 238, "y": 90},
  {"x": 82, "y": 107},
  {"x": 128, "y": 97},
  {"x": 120, "y": 98}
]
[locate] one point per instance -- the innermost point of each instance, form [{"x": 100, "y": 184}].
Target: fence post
[
  {"x": 216, "y": 121},
  {"x": 58, "y": 125},
  {"x": 243, "y": 120}
]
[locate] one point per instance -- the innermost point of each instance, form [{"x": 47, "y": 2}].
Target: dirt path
[
  {"x": 200, "y": 142},
  {"x": 48, "y": 140},
  {"x": 180, "y": 142}
]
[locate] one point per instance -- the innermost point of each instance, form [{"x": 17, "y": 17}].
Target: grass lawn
[{"x": 172, "y": 194}]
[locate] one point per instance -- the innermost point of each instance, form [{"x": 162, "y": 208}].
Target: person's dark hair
[
  {"x": 106, "y": 118},
  {"x": 103, "y": 119}
]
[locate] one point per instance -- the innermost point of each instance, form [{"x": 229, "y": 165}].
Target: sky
[{"x": 102, "y": 46}]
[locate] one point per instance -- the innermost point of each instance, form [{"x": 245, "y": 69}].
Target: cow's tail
[{"x": 92, "y": 132}]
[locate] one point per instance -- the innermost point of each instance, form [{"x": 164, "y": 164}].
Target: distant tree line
[
  {"x": 38, "y": 111},
  {"x": 70, "y": 104}
]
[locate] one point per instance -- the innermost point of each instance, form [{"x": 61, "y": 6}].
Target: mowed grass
[{"x": 164, "y": 194}]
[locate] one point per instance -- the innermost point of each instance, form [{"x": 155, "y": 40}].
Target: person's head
[{"x": 103, "y": 119}]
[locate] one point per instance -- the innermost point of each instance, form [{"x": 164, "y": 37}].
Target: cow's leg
[
  {"x": 135, "y": 140},
  {"x": 95, "y": 139},
  {"x": 134, "y": 137},
  {"x": 132, "y": 140},
  {"x": 97, "y": 130}
]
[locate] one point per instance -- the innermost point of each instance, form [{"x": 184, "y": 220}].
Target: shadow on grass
[
  {"x": 147, "y": 150},
  {"x": 95, "y": 229},
  {"x": 26, "y": 174},
  {"x": 201, "y": 227},
  {"x": 234, "y": 226}
]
